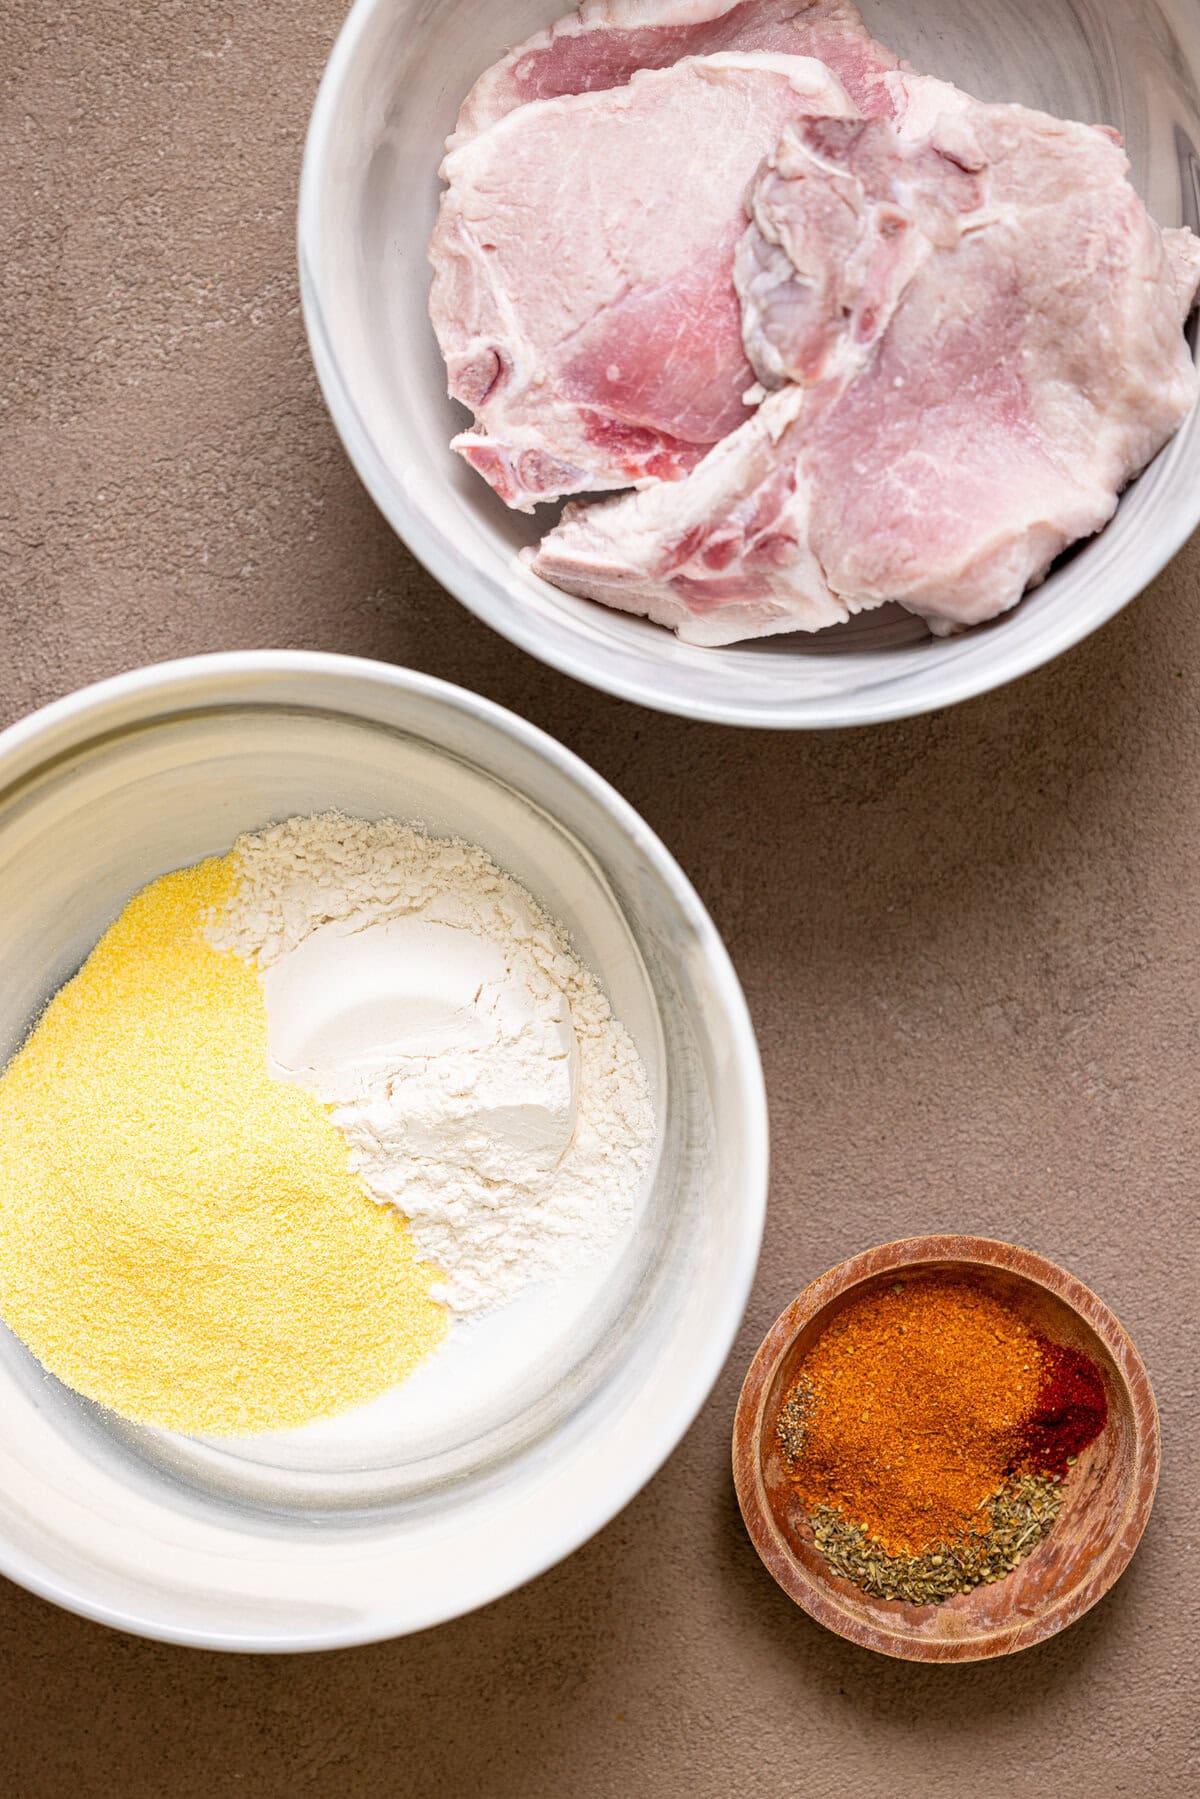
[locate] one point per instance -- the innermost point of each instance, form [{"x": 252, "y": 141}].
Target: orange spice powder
[{"x": 916, "y": 1395}]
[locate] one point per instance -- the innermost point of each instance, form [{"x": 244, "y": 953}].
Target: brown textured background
[{"x": 970, "y": 944}]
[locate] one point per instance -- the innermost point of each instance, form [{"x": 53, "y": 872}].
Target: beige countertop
[{"x": 971, "y": 944}]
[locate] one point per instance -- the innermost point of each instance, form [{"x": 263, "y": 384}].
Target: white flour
[{"x": 471, "y": 1061}]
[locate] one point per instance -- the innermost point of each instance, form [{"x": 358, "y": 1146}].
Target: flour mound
[{"x": 454, "y": 1134}]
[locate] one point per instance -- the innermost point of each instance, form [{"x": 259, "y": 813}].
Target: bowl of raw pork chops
[{"x": 767, "y": 362}]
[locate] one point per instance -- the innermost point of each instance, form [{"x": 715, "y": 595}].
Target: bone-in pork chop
[
  {"x": 974, "y": 366},
  {"x": 604, "y": 42},
  {"x": 583, "y": 294}
]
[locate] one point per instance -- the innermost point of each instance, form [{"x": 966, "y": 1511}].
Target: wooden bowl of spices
[{"x": 946, "y": 1449}]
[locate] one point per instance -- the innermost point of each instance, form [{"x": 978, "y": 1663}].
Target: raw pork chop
[
  {"x": 975, "y": 366},
  {"x": 583, "y": 292},
  {"x": 606, "y": 41},
  {"x": 844, "y": 214}
]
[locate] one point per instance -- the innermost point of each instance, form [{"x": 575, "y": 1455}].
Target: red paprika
[{"x": 1070, "y": 1411}]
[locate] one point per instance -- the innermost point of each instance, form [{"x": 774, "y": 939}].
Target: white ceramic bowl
[
  {"x": 312, "y": 1540},
  {"x": 367, "y": 204}
]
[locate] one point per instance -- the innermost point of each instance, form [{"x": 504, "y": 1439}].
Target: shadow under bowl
[{"x": 1106, "y": 1499}]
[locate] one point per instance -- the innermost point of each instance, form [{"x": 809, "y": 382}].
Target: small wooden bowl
[{"x": 1107, "y": 1497}]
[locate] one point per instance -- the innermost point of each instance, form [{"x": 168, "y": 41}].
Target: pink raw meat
[
  {"x": 583, "y": 292},
  {"x": 844, "y": 214},
  {"x": 983, "y": 360},
  {"x": 606, "y": 41}
]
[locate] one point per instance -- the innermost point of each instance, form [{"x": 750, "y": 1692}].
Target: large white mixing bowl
[
  {"x": 367, "y": 205},
  {"x": 361, "y": 1529}
]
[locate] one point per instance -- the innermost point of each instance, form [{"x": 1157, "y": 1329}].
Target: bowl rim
[
  {"x": 875, "y": 702},
  {"x": 750, "y": 1423},
  {"x": 145, "y": 692}
]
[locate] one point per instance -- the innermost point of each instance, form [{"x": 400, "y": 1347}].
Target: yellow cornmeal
[{"x": 181, "y": 1237}]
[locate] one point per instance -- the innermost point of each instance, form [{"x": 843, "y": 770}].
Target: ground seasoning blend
[
  {"x": 927, "y": 1433},
  {"x": 182, "y": 1238},
  {"x": 1070, "y": 1413}
]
